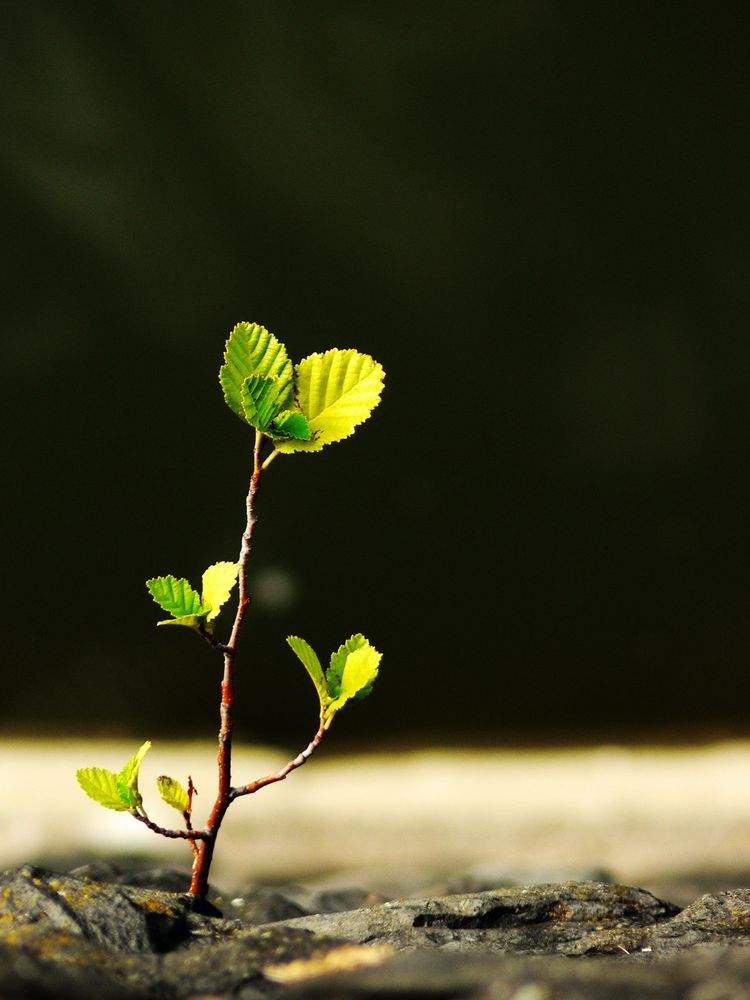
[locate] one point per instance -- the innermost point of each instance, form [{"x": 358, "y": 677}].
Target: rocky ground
[{"x": 115, "y": 934}]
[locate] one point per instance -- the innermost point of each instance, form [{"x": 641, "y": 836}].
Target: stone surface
[
  {"x": 102, "y": 939},
  {"x": 141, "y": 876},
  {"x": 565, "y": 919},
  {"x": 124, "y": 918},
  {"x": 64, "y": 937}
]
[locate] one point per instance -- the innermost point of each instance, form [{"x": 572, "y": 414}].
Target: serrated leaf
[
  {"x": 263, "y": 399},
  {"x": 127, "y": 779},
  {"x": 218, "y": 581},
  {"x": 335, "y": 671},
  {"x": 352, "y": 672},
  {"x": 336, "y": 392},
  {"x": 173, "y": 793},
  {"x": 309, "y": 660},
  {"x": 251, "y": 350},
  {"x": 101, "y": 786},
  {"x": 290, "y": 424},
  {"x": 175, "y": 596}
]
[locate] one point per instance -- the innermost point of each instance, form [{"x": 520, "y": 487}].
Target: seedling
[{"x": 293, "y": 409}]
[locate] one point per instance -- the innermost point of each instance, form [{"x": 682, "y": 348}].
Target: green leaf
[
  {"x": 263, "y": 399},
  {"x": 175, "y": 596},
  {"x": 309, "y": 659},
  {"x": 252, "y": 350},
  {"x": 352, "y": 672},
  {"x": 127, "y": 779},
  {"x": 290, "y": 424},
  {"x": 101, "y": 786},
  {"x": 336, "y": 392},
  {"x": 189, "y": 621},
  {"x": 218, "y": 581},
  {"x": 173, "y": 793}
]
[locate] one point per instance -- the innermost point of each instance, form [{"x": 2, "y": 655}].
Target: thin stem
[
  {"x": 274, "y": 454},
  {"x": 204, "y": 854},
  {"x": 213, "y": 643},
  {"x": 191, "y": 835},
  {"x": 269, "y": 779},
  {"x": 188, "y": 814}
]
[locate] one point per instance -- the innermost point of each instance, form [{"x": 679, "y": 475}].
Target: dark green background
[{"x": 534, "y": 214}]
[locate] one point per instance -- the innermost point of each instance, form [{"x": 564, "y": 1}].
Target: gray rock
[
  {"x": 237, "y": 965},
  {"x": 64, "y": 937},
  {"x": 165, "y": 879},
  {"x": 124, "y": 918},
  {"x": 36, "y": 962},
  {"x": 543, "y": 919}
]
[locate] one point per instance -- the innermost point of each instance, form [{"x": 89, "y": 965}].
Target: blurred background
[{"x": 534, "y": 214}]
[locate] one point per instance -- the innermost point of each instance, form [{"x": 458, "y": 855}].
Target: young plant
[{"x": 292, "y": 408}]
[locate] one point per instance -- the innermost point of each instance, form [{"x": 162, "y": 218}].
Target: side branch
[
  {"x": 270, "y": 779},
  {"x": 220, "y": 647},
  {"x": 172, "y": 834}
]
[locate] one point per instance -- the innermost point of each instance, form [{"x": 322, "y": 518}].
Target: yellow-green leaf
[
  {"x": 101, "y": 786},
  {"x": 336, "y": 392},
  {"x": 354, "y": 667},
  {"x": 252, "y": 350},
  {"x": 263, "y": 399},
  {"x": 218, "y": 581},
  {"x": 189, "y": 621},
  {"x": 309, "y": 660},
  {"x": 127, "y": 779},
  {"x": 173, "y": 793}
]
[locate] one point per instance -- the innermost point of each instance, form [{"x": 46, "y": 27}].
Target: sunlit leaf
[
  {"x": 352, "y": 671},
  {"x": 309, "y": 659},
  {"x": 218, "y": 581},
  {"x": 263, "y": 399},
  {"x": 189, "y": 621},
  {"x": 251, "y": 350},
  {"x": 336, "y": 392},
  {"x": 127, "y": 779},
  {"x": 101, "y": 786},
  {"x": 173, "y": 793},
  {"x": 175, "y": 596}
]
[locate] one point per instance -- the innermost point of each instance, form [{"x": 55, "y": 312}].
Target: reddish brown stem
[
  {"x": 205, "y": 848},
  {"x": 269, "y": 779},
  {"x": 191, "y": 835}
]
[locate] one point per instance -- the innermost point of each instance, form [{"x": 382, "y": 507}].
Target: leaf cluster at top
[{"x": 300, "y": 407}]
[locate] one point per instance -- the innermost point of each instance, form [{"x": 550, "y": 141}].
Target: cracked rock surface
[
  {"x": 67, "y": 936},
  {"x": 565, "y": 919}
]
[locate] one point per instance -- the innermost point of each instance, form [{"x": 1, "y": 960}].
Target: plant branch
[
  {"x": 270, "y": 458},
  {"x": 270, "y": 779},
  {"x": 204, "y": 854},
  {"x": 213, "y": 642},
  {"x": 191, "y": 835}
]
